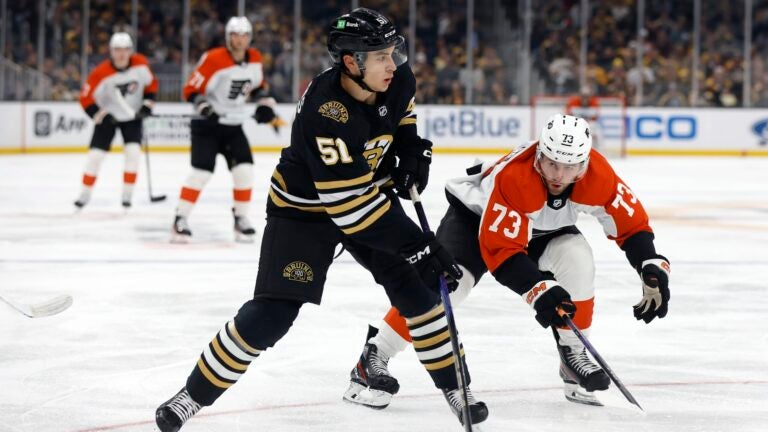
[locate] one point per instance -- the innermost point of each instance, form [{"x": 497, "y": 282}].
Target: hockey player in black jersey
[{"x": 334, "y": 184}]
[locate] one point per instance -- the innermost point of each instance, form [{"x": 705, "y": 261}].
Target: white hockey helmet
[
  {"x": 121, "y": 40},
  {"x": 565, "y": 139},
  {"x": 239, "y": 25}
]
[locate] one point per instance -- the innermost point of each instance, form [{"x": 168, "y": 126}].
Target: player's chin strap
[{"x": 358, "y": 79}]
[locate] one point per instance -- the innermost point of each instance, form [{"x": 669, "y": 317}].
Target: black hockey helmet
[{"x": 361, "y": 31}]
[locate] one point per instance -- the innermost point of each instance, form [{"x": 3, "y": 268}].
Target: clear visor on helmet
[{"x": 399, "y": 54}]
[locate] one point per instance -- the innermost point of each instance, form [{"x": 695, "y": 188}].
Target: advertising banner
[{"x": 63, "y": 126}]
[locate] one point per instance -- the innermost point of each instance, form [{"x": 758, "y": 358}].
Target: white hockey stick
[
  {"x": 42, "y": 309},
  {"x": 120, "y": 100}
]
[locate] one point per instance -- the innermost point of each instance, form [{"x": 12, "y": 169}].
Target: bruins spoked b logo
[{"x": 298, "y": 271}]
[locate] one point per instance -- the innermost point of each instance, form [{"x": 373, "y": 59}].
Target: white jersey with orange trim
[
  {"x": 226, "y": 84},
  {"x": 118, "y": 92},
  {"x": 513, "y": 201}
]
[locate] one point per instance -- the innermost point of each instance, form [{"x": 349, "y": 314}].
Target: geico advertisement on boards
[{"x": 690, "y": 129}]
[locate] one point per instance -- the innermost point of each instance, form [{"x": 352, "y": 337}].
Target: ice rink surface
[{"x": 144, "y": 309}]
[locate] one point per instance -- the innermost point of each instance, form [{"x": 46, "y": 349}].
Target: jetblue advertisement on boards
[{"x": 473, "y": 126}]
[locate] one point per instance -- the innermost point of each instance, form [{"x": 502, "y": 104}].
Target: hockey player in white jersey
[
  {"x": 516, "y": 217},
  {"x": 118, "y": 94},
  {"x": 225, "y": 79}
]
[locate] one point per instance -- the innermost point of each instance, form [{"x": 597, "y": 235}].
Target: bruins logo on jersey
[
  {"x": 334, "y": 111},
  {"x": 299, "y": 271}
]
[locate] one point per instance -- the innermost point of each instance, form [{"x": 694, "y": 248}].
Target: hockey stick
[
  {"x": 457, "y": 362},
  {"x": 120, "y": 100},
  {"x": 145, "y": 145},
  {"x": 46, "y": 308},
  {"x": 598, "y": 358}
]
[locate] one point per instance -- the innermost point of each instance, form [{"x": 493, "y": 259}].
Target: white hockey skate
[
  {"x": 180, "y": 232},
  {"x": 370, "y": 383}
]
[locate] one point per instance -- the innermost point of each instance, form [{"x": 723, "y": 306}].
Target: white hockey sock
[
  {"x": 193, "y": 185},
  {"x": 92, "y": 165},
  {"x": 569, "y": 338},
  {"x": 132, "y": 153},
  {"x": 242, "y": 183},
  {"x": 388, "y": 341},
  {"x": 466, "y": 283}
]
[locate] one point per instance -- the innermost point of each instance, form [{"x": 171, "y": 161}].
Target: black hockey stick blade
[
  {"x": 157, "y": 198},
  {"x": 599, "y": 359},
  {"x": 452, "y": 330}
]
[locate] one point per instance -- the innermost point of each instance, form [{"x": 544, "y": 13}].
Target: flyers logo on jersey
[
  {"x": 299, "y": 271},
  {"x": 239, "y": 87},
  {"x": 334, "y": 111},
  {"x": 128, "y": 88}
]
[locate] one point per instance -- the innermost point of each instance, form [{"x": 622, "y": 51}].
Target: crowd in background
[
  {"x": 666, "y": 70},
  {"x": 440, "y": 46}
]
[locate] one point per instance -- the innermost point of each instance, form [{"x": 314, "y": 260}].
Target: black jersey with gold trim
[{"x": 341, "y": 155}]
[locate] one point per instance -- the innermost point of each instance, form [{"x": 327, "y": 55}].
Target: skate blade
[
  {"x": 179, "y": 238},
  {"x": 574, "y": 393},
  {"x": 360, "y": 395},
  {"x": 244, "y": 238}
]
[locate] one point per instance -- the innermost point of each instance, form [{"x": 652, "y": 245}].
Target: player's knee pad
[
  {"x": 465, "y": 285},
  {"x": 132, "y": 152},
  {"x": 93, "y": 161},
  {"x": 197, "y": 179},
  {"x": 569, "y": 257},
  {"x": 242, "y": 176},
  {"x": 262, "y": 322}
]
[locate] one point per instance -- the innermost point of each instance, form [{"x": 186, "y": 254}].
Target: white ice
[{"x": 144, "y": 309}]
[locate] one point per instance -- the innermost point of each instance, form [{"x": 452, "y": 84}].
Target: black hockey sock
[
  {"x": 221, "y": 364},
  {"x": 432, "y": 342}
]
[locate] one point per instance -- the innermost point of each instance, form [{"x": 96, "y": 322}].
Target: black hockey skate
[
  {"x": 244, "y": 231},
  {"x": 125, "y": 200},
  {"x": 180, "y": 232},
  {"x": 580, "y": 376},
  {"x": 370, "y": 382},
  {"x": 172, "y": 415},
  {"x": 478, "y": 411},
  {"x": 83, "y": 199}
]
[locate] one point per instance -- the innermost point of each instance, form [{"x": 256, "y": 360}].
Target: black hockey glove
[
  {"x": 205, "y": 109},
  {"x": 410, "y": 170},
  {"x": 655, "y": 275},
  {"x": 144, "y": 112},
  {"x": 431, "y": 260},
  {"x": 546, "y": 297},
  {"x": 264, "y": 114}
]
